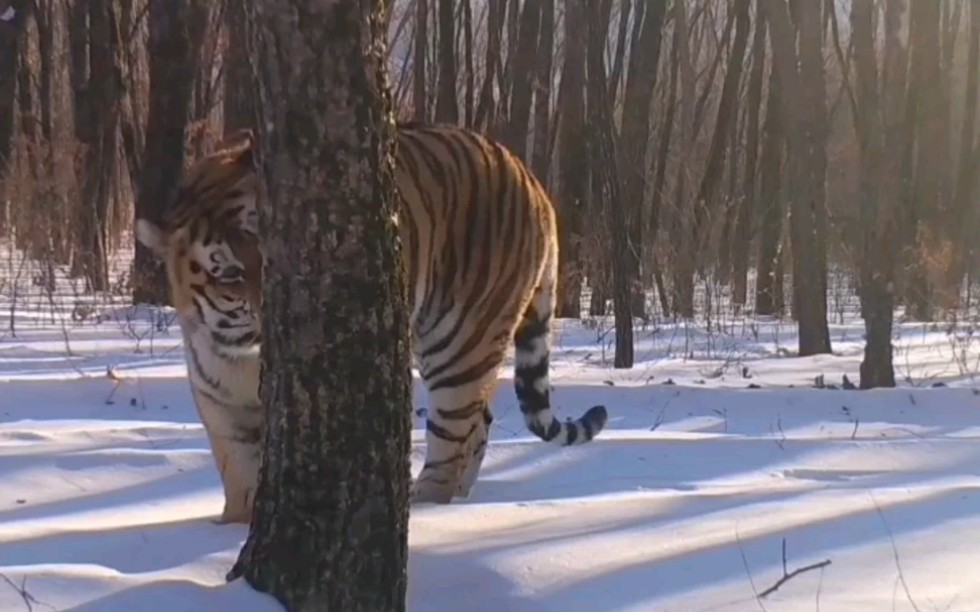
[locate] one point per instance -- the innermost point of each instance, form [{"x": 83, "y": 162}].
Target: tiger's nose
[{"x": 232, "y": 273}]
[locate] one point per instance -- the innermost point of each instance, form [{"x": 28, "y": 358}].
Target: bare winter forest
[{"x": 711, "y": 162}]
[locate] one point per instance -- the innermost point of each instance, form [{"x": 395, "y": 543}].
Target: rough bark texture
[
  {"x": 878, "y": 120},
  {"x": 446, "y": 108},
  {"x": 768, "y": 284},
  {"x": 603, "y": 158},
  {"x": 747, "y": 199},
  {"x": 802, "y": 89},
  {"x": 329, "y": 530},
  {"x": 239, "y": 110},
  {"x": 173, "y": 60},
  {"x": 573, "y": 168},
  {"x": 100, "y": 157},
  {"x": 641, "y": 80},
  {"x": 421, "y": 42},
  {"x": 521, "y": 93}
]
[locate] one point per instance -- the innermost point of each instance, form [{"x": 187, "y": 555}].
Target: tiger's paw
[{"x": 427, "y": 491}]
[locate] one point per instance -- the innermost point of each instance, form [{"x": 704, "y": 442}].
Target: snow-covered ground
[{"x": 721, "y": 468}]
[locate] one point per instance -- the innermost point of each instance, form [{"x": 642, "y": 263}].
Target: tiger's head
[{"x": 208, "y": 242}]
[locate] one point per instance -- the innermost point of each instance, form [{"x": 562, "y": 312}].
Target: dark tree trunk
[
  {"x": 604, "y": 161},
  {"x": 469, "y": 95},
  {"x": 100, "y": 158},
  {"x": 446, "y": 108},
  {"x": 768, "y": 284},
  {"x": 925, "y": 107},
  {"x": 802, "y": 89},
  {"x": 239, "y": 107},
  {"x": 330, "y": 525},
  {"x": 9, "y": 45},
  {"x": 641, "y": 80},
  {"x": 684, "y": 254},
  {"x": 541, "y": 156},
  {"x": 521, "y": 94},
  {"x": 79, "y": 70},
  {"x": 877, "y": 120},
  {"x": 963, "y": 216},
  {"x": 173, "y": 67},
  {"x": 747, "y": 197},
  {"x": 705, "y": 203},
  {"x": 419, "y": 103},
  {"x": 573, "y": 168},
  {"x": 485, "y": 117}
]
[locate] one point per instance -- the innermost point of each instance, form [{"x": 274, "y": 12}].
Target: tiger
[{"x": 480, "y": 253}]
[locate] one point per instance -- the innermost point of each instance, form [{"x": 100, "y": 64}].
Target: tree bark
[
  {"x": 641, "y": 80},
  {"x": 9, "y": 44},
  {"x": 173, "y": 58},
  {"x": 541, "y": 153},
  {"x": 100, "y": 158},
  {"x": 419, "y": 102},
  {"x": 603, "y": 158},
  {"x": 521, "y": 93},
  {"x": 747, "y": 199},
  {"x": 239, "y": 107},
  {"x": 768, "y": 288},
  {"x": 573, "y": 168},
  {"x": 877, "y": 119},
  {"x": 802, "y": 92},
  {"x": 447, "y": 110},
  {"x": 330, "y": 525}
]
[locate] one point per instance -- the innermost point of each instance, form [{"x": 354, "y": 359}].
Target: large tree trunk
[
  {"x": 802, "y": 89},
  {"x": 747, "y": 197},
  {"x": 521, "y": 93},
  {"x": 925, "y": 107},
  {"x": 420, "y": 107},
  {"x": 330, "y": 525},
  {"x": 446, "y": 108},
  {"x": 239, "y": 108},
  {"x": 768, "y": 284},
  {"x": 641, "y": 79},
  {"x": 573, "y": 167},
  {"x": 877, "y": 119},
  {"x": 963, "y": 216},
  {"x": 100, "y": 158},
  {"x": 706, "y": 207},
  {"x": 9, "y": 44},
  {"x": 603, "y": 158},
  {"x": 541, "y": 155},
  {"x": 174, "y": 60}
]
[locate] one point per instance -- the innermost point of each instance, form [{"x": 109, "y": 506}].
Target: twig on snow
[
  {"x": 898, "y": 563},
  {"x": 748, "y": 572},
  {"x": 29, "y": 600},
  {"x": 790, "y": 575}
]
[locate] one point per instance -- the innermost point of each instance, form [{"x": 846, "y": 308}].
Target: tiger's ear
[
  {"x": 151, "y": 236},
  {"x": 240, "y": 146}
]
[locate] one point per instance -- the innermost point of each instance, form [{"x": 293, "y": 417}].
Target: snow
[{"x": 683, "y": 503}]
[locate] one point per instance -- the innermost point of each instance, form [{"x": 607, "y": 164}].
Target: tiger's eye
[{"x": 195, "y": 268}]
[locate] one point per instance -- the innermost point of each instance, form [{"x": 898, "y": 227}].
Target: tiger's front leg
[{"x": 235, "y": 435}]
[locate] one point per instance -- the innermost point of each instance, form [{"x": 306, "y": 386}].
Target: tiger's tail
[{"x": 532, "y": 344}]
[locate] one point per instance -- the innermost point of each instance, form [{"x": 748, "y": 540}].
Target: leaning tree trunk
[
  {"x": 174, "y": 53},
  {"x": 330, "y": 525}
]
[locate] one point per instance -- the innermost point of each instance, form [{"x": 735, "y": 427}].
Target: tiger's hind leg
[
  {"x": 459, "y": 355},
  {"x": 456, "y": 432},
  {"x": 479, "y": 451}
]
